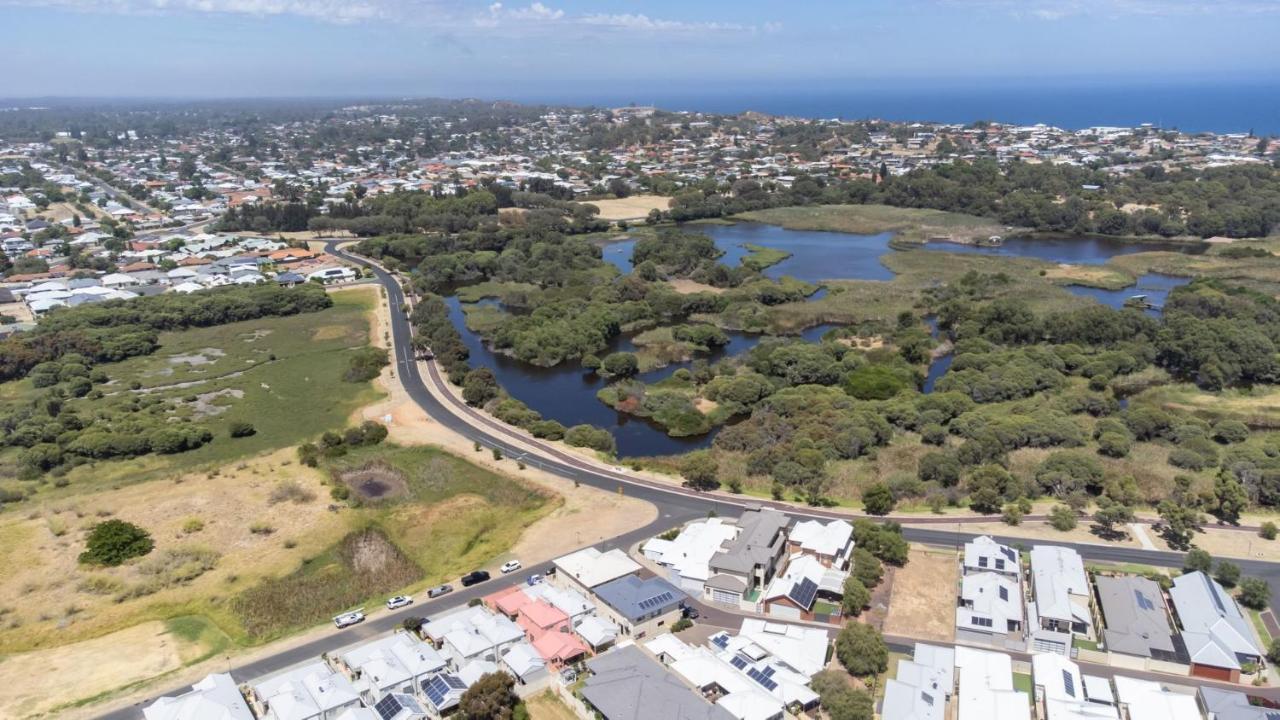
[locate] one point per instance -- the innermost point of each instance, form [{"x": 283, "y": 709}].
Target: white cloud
[
  {"x": 1060, "y": 9},
  {"x": 644, "y": 23}
]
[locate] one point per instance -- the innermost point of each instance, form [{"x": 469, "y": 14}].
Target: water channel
[{"x": 567, "y": 393}]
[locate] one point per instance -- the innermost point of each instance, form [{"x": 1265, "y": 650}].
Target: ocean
[{"x": 1190, "y": 107}]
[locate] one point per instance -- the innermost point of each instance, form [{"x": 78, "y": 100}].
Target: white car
[
  {"x": 349, "y": 619},
  {"x": 511, "y": 566},
  {"x": 399, "y": 601}
]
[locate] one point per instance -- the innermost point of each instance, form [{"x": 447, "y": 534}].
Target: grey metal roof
[
  {"x": 757, "y": 543},
  {"x": 626, "y": 684},
  {"x": 635, "y": 599},
  {"x": 1135, "y": 615},
  {"x": 1232, "y": 705}
]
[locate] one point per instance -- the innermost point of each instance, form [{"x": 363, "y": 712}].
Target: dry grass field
[
  {"x": 923, "y": 601},
  {"x": 630, "y": 208}
]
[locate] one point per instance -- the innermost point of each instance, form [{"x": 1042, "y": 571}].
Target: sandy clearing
[
  {"x": 923, "y": 601},
  {"x": 546, "y": 706},
  {"x": 687, "y": 287},
  {"x": 1230, "y": 543},
  {"x": 78, "y": 671},
  {"x": 630, "y": 208}
]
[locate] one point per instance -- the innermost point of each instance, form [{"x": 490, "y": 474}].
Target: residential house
[
  {"x": 640, "y": 607},
  {"x": 796, "y": 594},
  {"x": 1136, "y": 620},
  {"x": 443, "y": 691},
  {"x": 627, "y": 684},
  {"x": 597, "y": 632},
  {"x": 688, "y": 555},
  {"x": 733, "y": 682},
  {"x": 394, "y": 663},
  {"x": 313, "y": 691},
  {"x": 983, "y": 554},
  {"x": 216, "y": 697},
  {"x": 1147, "y": 700},
  {"x": 985, "y": 688},
  {"x": 830, "y": 543},
  {"x": 922, "y": 685},
  {"x": 472, "y": 633},
  {"x": 396, "y": 706},
  {"x": 1061, "y": 688},
  {"x": 749, "y": 561},
  {"x": 523, "y": 662},
  {"x": 1060, "y": 606},
  {"x": 990, "y": 610},
  {"x": 588, "y": 567},
  {"x": 1231, "y": 705},
  {"x": 1218, "y": 637}
]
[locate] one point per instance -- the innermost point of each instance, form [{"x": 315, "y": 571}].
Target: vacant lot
[
  {"x": 630, "y": 208},
  {"x": 912, "y": 225},
  {"x": 281, "y": 375},
  {"x": 924, "y": 597}
]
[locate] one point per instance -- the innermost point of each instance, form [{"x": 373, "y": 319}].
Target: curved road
[{"x": 675, "y": 506}]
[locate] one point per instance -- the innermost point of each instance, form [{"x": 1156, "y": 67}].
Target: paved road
[{"x": 675, "y": 506}]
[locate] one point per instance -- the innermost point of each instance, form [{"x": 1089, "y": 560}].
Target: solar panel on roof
[
  {"x": 1069, "y": 683},
  {"x": 768, "y": 672},
  {"x": 761, "y": 678},
  {"x": 436, "y": 689},
  {"x": 388, "y": 707},
  {"x": 1143, "y": 602},
  {"x": 455, "y": 682},
  {"x": 721, "y": 641},
  {"x": 804, "y": 592},
  {"x": 1008, "y": 552},
  {"x": 738, "y": 663}
]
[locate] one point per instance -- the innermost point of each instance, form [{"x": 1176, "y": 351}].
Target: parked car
[
  {"x": 349, "y": 619},
  {"x": 399, "y": 601},
  {"x": 475, "y": 576},
  {"x": 534, "y": 579},
  {"x": 436, "y": 592},
  {"x": 551, "y": 570},
  {"x": 510, "y": 566},
  {"x": 690, "y": 612}
]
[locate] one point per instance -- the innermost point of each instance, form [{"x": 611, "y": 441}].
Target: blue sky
[{"x": 580, "y": 49}]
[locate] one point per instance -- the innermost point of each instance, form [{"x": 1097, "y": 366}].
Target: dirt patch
[
  {"x": 923, "y": 600},
  {"x": 861, "y": 342},
  {"x": 548, "y": 707},
  {"x": 329, "y": 332},
  {"x": 688, "y": 287},
  {"x": 203, "y": 356},
  {"x": 374, "y": 481},
  {"x": 203, "y": 407},
  {"x": 81, "y": 670},
  {"x": 630, "y": 208},
  {"x": 705, "y": 406}
]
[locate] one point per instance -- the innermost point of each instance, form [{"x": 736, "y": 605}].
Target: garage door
[
  {"x": 786, "y": 612},
  {"x": 724, "y": 596}
]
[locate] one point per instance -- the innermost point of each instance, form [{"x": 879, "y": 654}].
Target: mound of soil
[{"x": 374, "y": 481}]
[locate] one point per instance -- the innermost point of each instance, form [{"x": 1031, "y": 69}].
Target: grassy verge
[{"x": 1255, "y": 617}]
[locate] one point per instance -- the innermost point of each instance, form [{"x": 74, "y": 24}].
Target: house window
[
  {"x": 999, "y": 564},
  {"x": 981, "y": 621},
  {"x": 982, "y": 562}
]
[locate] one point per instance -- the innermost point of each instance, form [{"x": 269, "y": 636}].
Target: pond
[{"x": 567, "y": 393}]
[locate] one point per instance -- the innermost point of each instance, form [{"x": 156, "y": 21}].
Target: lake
[{"x": 567, "y": 393}]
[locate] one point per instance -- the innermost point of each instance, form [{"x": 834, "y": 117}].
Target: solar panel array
[
  {"x": 738, "y": 663},
  {"x": 804, "y": 592},
  {"x": 763, "y": 679},
  {"x": 455, "y": 682},
  {"x": 721, "y": 641},
  {"x": 438, "y": 687},
  {"x": 388, "y": 707},
  {"x": 655, "y": 601},
  {"x": 1008, "y": 552},
  {"x": 768, "y": 671},
  {"x": 1143, "y": 602},
  {"x": 1069, "y": 683}
]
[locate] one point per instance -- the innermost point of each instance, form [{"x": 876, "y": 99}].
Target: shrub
[
  {"x": 1268, "y": 530},
  {"x": 1254, "y": 593},
  {"x": 1012, "y": 514},
  {"x": 867, "y": 568},
  {"x": 878, "y": 499},
  {"x": 365, "y": 364},
  {"x": 856, "y": 597},
  {"x": 590, "y": 437},
  {"x": 862, "y": 650},
  {"x": 1114, "y": 444},
  {"x": 1230, "y": 431},
  {"x": 681, "y": 624},
  {"x": 1228, "y": 573},
  {"x": 1062, "y": 518},
  {"x": 290, "y": 491},
  {"x": 1187, "y": 459},
  {"x": 192, "y": 525},
  {"x": 112, "y": 542},
  {"x": 239, "y": 429},
  {"x": 261, "y": 528}
]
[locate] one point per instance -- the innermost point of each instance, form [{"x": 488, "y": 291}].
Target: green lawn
[{"x": 1022, "y": 682}]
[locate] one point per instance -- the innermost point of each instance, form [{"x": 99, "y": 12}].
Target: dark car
[
  {"x": 691, "y": 612},
  {"x": 475, "y": 576}
]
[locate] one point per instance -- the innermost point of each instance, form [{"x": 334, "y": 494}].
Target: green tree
[
  {"x": 1109, "y": 515},
  {"x": 1178, "y": 523},
  {"x": 867, "y": 568},
  {"x": 987, "y": 486},
  {"x": 1273, "y": 651},
  {"x": 479, "y": 386},
  {"x": 1254, "y": 593},
  {"x": 112, "y": 542},
  {"x": 1227, "y": 573},
  {"x": 1062, "y": 518},
  {"x": 856, "y": 597},
  {"x": 492, "y": 697},
  {"x": 841, "y": 700},
  {"x": 862, "y": 650},
  {"x": 1230, "y": 498},
  {"x": 619, "y": 364},
  {"x": 1198, "y": 560},
  {"x": 700, "y": 470},
  {"x": 1268, "y": 530},
  {"x": 878, "y": 499}
]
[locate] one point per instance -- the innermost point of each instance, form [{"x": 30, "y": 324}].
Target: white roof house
[
  {"x": 395, "y": 662},
  {"x": 801, "y": 648},
  {"x": 597, "y": 631},
  {"x": 983, "y": 554},
  {"x": 524, "y": 663},
  {"x": 473, "y": 633},
  {"x": 216, "y": 697},
  {"x": 305, "y": 692},
  {"x": 1146, "y": 700},
  {"x": 689, "y": 553},
  {"x": 985, "y": 689},
  {"x": 831, "y": 542},
  {"x": 922, "y": 686},
  {"x": 1063, "y": 690},
  {"x": 1215, "y": 631},
  {"x": 120, "y": 280},
  {"x": 990, "y": 603},
  {"x": 803, "y": 572},
  {"x": 1060, "y": 588},
  {"x": 589, "y": 567},
  {"x": 709, "y": 669}
]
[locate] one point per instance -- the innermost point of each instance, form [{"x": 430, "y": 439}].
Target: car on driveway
[
  {"x": 534, "y": 579},
  {"x": 436, "y": 592},
  {"x": 475, "y": 576},
  {"x": 690, "y": 612},
  {"x": 510, "y": 566},
  {"x": 349, "y": 619},
  {"x": 399, "y": 601}
]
